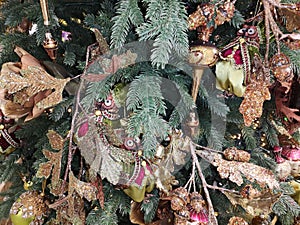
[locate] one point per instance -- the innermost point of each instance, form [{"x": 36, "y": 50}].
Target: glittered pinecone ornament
[
  {"x": 29, "y": 209},
  {"x": 235, "y": 154},
  {"x": 282, "y": 70},
  {"x": 237, "y": 221},
  {"x": 179, "y": 198},
  {"x": 182, "y": 217}
]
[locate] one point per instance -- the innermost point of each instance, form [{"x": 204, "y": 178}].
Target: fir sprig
[
  {"x": 128, "y": 13},
  {"x": 166, "y": 24}
]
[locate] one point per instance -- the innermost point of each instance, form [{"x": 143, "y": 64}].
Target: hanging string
[{"x": 45, "y": 11}]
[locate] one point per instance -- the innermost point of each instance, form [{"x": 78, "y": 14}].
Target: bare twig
[{"x": 212, "y": 218}]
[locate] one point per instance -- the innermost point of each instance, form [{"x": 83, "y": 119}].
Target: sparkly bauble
[
  {"x": 29, "y": 209},
  {"x": 237, "y": 221}
]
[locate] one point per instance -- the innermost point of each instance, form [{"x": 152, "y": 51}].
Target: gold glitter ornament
[
  {"x": 29, "y": 209},
  {"x": 255, "y": 94},
  {"x": 235, "y": 154},
  {"x": 237, "y": 221}
]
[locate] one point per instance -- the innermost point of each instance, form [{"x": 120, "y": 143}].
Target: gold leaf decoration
[
  {"x": 55, "y": 140},
  {"x": 255, "y": 206},
  {"x": 30, "y": 89},
  {"x": 256, "y": 93},
  {"x": 54, "y": 163},
  {"x": 175, "y": 156},
  {"x": 236, "y": 170},
  {"x": 85, "y": 190}
]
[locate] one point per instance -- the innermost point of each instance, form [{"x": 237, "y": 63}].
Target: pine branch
[
  {"x": 146, "y": 101},
  {"x": 149, "y": 207},
  {"x": 249, "y": 136},
  {"x": 128, "y": 13},
  {"x": 60, "y": 109},
  {"x": 166, "y": 23},
  {"x": 237, "y": 20}
]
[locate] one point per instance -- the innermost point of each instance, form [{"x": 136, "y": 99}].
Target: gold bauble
[{"x": 28, "y": 208}]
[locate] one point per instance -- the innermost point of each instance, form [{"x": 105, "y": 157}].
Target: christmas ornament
[
  {"x": 29, "y": 88},
  {"x": 235, "y": 154},
  {"x": 29, "y": 209},
  {"x": 198, "y": 212},
  {"x": 234, "y": 71},
  {"x": 179, "y": 199},
  {"x": 282, "y": 70},
  {"x": 66, "y": 36},
  {"x": 207, "y": 13},
  {"x": 237, "y": 221},
  {"x": 201, "y": 57},
  {"x": 256, "y": 206},
  {"x": 235, "y": 171},
  {"x": 256, "y": 93},
  {"x": 49, "y": 44}
]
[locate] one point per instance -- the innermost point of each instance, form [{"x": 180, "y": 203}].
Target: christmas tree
[{"x": 149, "y": 112}]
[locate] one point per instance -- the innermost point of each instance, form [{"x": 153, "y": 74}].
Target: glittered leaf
[
  {"x": 40, "y": 81},
  {"x": 236, "y": 170},
  {"x": 173, "y": 158},
  {"x": 55, "y": 140},
  {"x": 110, "y": 169},
  {"x": 12, "y": 82},
  {"x": 255, "y": 206},
  {"x": 256, "y": 93},
  {"x": 54, "y": 163},
  {"x": 85, "y": 190},
  {"x": 44, "y": 170}
]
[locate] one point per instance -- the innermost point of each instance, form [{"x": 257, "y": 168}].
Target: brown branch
[{"x": 212, "y": 218}]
